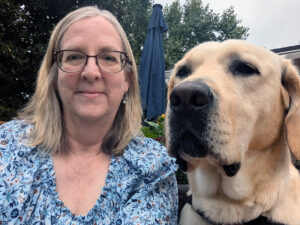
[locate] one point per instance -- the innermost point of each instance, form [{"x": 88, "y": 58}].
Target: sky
[{"x": 272, "y": 23}]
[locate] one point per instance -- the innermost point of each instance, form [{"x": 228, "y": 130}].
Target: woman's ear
[
  {"x": 127, "y": 80},
  {"x": 291, "y": 82}
]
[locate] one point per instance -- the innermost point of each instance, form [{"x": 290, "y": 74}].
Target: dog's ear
[{"x": 291, "y": 82}]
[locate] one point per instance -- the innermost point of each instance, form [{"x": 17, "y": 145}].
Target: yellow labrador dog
[{"x": 233, "y": 116}]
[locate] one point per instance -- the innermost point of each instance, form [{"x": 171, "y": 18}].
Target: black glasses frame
[{"x": 56, "y": 53}]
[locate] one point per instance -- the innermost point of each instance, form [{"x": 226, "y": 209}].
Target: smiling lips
[{"x": 90, "y": 94}]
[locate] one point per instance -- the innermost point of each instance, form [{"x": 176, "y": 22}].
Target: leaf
[{"x": 155, "y": 125}]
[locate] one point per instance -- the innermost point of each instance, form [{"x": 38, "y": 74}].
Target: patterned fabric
[{"x": 140, "y": 185}]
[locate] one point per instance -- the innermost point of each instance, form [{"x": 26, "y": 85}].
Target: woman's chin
[{"x": 92, "y": 117}]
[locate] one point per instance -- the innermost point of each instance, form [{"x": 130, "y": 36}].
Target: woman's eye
[
  {"x": 74, "y": 57},
  {"x": 108, "y": 58}
]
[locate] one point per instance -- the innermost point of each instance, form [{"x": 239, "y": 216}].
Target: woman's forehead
[{"x": 95, "y": 30}]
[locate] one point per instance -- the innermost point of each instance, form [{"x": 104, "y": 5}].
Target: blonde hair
[{"x": 44, "y": 110}]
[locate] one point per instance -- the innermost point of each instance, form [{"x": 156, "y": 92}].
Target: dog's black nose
[{"x": 190, "y": 96}]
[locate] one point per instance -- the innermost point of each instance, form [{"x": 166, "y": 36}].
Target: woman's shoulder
[
  {"x": 15, "y": 128},
  {"x": 142, "y": 148},
  {"x": 25, "y": 175},
  {"x": 14, "y": 139},
  {"x": 149, "y": 156},
  {"x": 143, "y": 145}
]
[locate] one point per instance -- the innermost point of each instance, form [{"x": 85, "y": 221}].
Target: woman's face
[{"x": 91, "y": 94}]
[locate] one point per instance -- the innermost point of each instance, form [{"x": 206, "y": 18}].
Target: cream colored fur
[{"x": 254, "y": 129}]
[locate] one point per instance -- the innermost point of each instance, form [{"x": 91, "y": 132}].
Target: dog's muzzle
[
  {"x": 193, "y": 109},
  {"x": 189, "y": 110}
]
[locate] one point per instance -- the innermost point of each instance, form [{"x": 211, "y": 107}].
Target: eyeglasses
[{"x": 71, "y": 61}]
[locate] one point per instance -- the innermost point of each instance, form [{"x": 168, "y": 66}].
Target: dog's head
[{"x": 229, "y": 99}]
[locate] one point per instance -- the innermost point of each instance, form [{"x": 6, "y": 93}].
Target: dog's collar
[{"x": 261, "y": 220}]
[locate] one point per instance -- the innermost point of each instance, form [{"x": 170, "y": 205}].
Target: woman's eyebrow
[
  {"x": 108, "y": 48},
  {"x": 75, "y": 48},
  {"x": 99, "y": 50}
]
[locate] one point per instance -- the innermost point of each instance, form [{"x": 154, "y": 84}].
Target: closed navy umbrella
[{"x": 152, "y": 67}]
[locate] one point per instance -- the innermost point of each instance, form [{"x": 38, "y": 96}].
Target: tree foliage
[
  {"x": 193, "y": 23},
  {"x": 24, "y": 33}
]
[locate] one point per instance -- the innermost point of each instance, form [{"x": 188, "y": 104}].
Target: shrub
[{"x": 156, "y": 129}]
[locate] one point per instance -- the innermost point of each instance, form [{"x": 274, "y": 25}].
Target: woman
[{"x": 75, "y": 155}]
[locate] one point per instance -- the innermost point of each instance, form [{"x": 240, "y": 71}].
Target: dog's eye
[
  {"x": 183, "y": 72},
  {"x": 241, "y": 68}
]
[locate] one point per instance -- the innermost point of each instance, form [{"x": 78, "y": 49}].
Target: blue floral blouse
[{"x": 140, "y": 185}]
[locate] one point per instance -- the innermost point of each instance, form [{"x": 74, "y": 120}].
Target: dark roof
[{"x": 286, "y": 49}]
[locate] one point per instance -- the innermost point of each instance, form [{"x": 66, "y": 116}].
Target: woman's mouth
[{"x": 90, "y": 94}]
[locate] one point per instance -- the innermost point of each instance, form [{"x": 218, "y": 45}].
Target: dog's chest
[{"x": 209, "y": 182}]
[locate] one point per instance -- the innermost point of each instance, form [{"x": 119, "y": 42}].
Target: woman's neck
[{"x": 85, "y": 138}]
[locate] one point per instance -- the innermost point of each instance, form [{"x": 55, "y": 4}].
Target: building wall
[{"x": 290, "y": 52}]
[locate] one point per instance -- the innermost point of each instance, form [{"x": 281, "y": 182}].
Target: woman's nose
[{"x": 91, "y": 70}]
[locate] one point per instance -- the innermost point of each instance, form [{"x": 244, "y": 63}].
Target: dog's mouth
[
  {"x": 188, "y": 145},
  {"x": 192, "y": 146}
]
